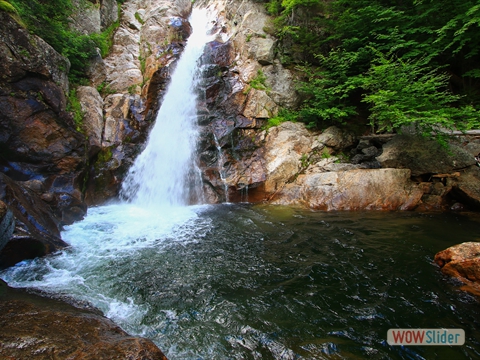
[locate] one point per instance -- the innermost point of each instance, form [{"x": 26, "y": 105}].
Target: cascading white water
[{"x": 165, "y": 174}]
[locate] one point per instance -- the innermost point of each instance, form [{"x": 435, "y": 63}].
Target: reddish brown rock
[
  {"x": 39, "y": 139},
  {"x": 462, "y": 261},
  {"x": 32, "y": 327}
]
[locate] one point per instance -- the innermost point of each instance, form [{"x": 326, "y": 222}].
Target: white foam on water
[{"x": 102, "y": 245}]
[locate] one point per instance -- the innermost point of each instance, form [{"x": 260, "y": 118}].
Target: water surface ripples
[{"x": 244, "y": 282}]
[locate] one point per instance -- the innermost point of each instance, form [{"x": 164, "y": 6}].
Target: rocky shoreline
[{"x": 35, "y": 327}]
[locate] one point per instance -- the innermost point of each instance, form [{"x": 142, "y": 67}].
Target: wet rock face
[
  {"x": 37, "y": 328},
  {"x": 462, "y": 261},
  {"x": 38, "y": 140},
  {"x": 7, "y": 224},
  {"x": 36, "y": 230},
  {"x": 24, "y": 55},
  {"x": 243, "y": 85}
]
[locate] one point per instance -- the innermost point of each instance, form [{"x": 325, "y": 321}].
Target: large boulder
[
  {"x": 362, "y": 189},
  {"x": 466, "y": 187},
  {"x": 423, "y": 156},
  {"x": 108, "y": 13},
  {"x": 259, "y": 105},
  {"x": 281, "y": 83},
  {"x": 86, "y": 17},
  {"x": 335, "y": 138},
  {"x": 32, "y": 327},
  {"x": 462, "y": 261},
  {"x": 284, "y": 147}
]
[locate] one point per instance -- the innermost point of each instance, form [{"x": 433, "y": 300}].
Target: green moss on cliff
[{"x": 74, "y": 106}]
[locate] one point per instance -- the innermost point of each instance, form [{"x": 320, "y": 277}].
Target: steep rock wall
[
  {"x": 42, "y": 155},
  {"x": 244, "y": 85},
  {"x": 133, "y": 77}
]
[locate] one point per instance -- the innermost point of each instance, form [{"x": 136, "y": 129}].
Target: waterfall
[{"x": 165, "y": 173}]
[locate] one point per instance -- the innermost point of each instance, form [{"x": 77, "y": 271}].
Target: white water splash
[
  {"x": 108, "y": 240},
  {"x": 165, "y": 172}
]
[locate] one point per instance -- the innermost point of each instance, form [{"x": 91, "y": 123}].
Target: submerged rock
[
  {"x": 32, "y": 327},
  {"x": 462, "y": 261}
]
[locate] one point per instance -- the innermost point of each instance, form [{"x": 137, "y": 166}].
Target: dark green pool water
[{"x": 243, "y": 282}]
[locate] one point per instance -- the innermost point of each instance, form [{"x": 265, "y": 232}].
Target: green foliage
[
  {"x": 143, "y": 63},
  {"x": 304, "y": 161},
  {"x": 50, "y": 21},
  {"x": 403, "y": 93},
  {"x": 382, "y": 62},
  {"x": 104, "y": 155},
  {"x": 283, "y": 115},
  {"x": 258, "y": 82},
  {"x": 328, "y": 90},
  {"x": 74, "y": 106},
  {"x": 132, "y": 89},
  {"x": 274, "y": 121},
  {"x": 104, "y": 40},
  {"x": 104, "y": 89},
  {"x": 7, "y": 7},
  {"x": 139, "y": 18},
  {"x": 461, "y": 32}
]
